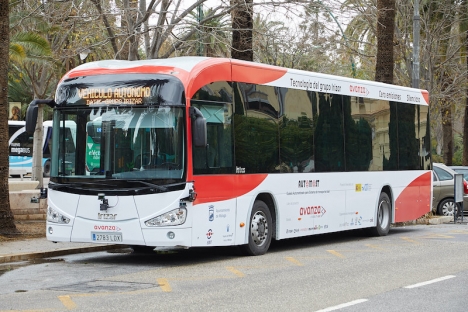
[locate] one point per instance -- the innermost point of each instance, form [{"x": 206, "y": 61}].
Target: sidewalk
[{"x": 22, "y": 250}]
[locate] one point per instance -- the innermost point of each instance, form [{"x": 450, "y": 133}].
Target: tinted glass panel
[
  {"x": 217, "y": 157},
  {"x": 220, "y": 91},
  {"x": 423, "y": 135},
  {"x": 329, "y": 138},
  {"x": 256, "y": 128},
  {"x": 296, "y": 131},
  {"x": 408, "y": 149},
  {"x": 368, "y": 136}
]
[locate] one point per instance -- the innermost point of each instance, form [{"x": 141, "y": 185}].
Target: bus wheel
[
  {"x": 259, "y": 230},
  {"x": 384, "y": 213},
  {"x": 46, "y": 169}
]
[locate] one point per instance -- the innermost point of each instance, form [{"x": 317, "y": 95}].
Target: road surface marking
[
  {"x": 374, "y": 247},
  {"x": 296, "y": 262},
  {"x": 343, "y": 305},
  {"x": 438, "y": 236},
  {"x": 237, "y": 272},
  {"x": 335, "y": 253},
  {"x": 459, "y": 232},
  {"x": 409, "y": 240},
  {"x": 67, "y": 302},
  {"x": 430, "y": 282},
  {"x": 164, "y": 284}
]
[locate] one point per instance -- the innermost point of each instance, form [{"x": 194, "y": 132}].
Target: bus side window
[
  {"x": 22, "y": 145},
  {"x": 217, "y": 157},
  {"x": 47, "y": 143}
]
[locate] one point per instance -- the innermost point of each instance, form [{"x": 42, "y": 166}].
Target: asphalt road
[{"x": 414, "y": 268}]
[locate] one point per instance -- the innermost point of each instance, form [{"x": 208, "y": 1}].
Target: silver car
[{"x": 443, "y": 202}]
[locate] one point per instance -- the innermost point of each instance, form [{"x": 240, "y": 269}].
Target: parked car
[{"x": 443, "y": 202}]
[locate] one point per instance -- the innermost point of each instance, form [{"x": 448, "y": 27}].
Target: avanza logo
[
  {"x": 308, "y": 183},
  {"x": 106, "y": 228},
  {"x": 358, "y": 89},
  {"x": 312, "y": 210}
]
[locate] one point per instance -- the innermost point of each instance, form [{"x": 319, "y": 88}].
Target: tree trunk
[
  {"x": 110, "y": 32},
  {"x": 447, "y": 134},
  {"x": 7, "y": 225},
  {"x": 465, "y": 129},
  {"x": 385, "y": 32},
  {"x": 465, "y": 120},
  {"x": 242, "y": 24}
]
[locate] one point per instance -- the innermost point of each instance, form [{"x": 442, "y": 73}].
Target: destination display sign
[
  {"x": 118, "y": 95},
  {"x": 134, "y": 89}
]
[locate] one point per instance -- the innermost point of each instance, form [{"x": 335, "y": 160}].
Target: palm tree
[
  {"x": 464, "y": 37},
  {"x": 361, "y": 35},
  {"x": 242, "y": 25},
  {"x": 7, "y": 225},
  {"x": 209, "y": 38},
  {"x": 385, "y": 31}
]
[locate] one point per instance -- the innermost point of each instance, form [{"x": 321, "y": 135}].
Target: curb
[
  {"x": 55, "y": 253},
  {"x": 441, "y": 220}
]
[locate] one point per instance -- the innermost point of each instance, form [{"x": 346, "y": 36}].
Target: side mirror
[
  {"x": 199, "y": 136},
  {"x": 31, "y": 113},
  {"x": 31, "y": 117}
]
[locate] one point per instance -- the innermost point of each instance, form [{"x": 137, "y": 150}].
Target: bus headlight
[
  {"x": 173, "y": 217},
  {"x": 56, "y": 217}
]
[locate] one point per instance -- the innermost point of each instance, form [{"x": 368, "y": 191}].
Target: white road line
[
  {"x": 343, "y": 305},
  {"x": 431, "y": 281}
]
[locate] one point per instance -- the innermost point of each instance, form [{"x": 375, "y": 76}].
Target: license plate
[{"x": 106, "y": 237}]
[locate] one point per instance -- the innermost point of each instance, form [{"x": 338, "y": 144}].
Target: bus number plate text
[{"x": 106, "y": 237}]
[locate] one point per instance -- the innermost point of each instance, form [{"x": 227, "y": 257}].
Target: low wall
[
  {"x": 25, "y": 202},
  {"x": 15, "y": 186}
]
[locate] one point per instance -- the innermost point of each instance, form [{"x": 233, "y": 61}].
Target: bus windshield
[{"x": 119, "y": 143}]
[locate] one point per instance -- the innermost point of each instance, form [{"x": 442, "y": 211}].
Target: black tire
[
  {"x": 260, "y": 230},
  {"x": 46, "y": 169},
  {"x": 447, "y": 207},
  {"x": 384, "y": 216}
]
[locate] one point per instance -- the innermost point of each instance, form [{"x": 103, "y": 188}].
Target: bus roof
[{"x": 195, "y": 72}]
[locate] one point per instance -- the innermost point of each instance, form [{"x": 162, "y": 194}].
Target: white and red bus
[{"x": 200, "y": 151}]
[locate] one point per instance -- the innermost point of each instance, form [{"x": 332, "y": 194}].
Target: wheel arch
[
  {"x": 269, "y": 200},
  {"x": 388, "y": 190}
]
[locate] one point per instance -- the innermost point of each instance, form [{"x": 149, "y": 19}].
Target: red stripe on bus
[
  {"x": 206, "y": 72},
  {"x": 415, "y": 200},
  {"x": 212, "y": 70},
  {"x": 425, "y": 95},
  {"x": 255, "y": 73},
  {"x": 215, "y": 188}
]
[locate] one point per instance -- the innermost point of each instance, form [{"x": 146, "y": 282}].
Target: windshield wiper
[
  {"x": 151, "y": 185},
  {"x": 56, "y": 186}
]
